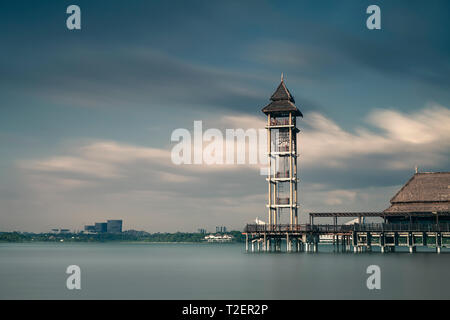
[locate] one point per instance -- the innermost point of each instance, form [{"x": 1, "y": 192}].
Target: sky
[{"x": 86, "y": 116}]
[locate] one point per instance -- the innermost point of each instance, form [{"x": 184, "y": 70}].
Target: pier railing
[
  {"x": 403, "y": 227},
  {"x": 320, "y": 228},
  {"x": 331, "y": 228}
]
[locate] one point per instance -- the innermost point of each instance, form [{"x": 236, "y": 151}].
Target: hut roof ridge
[{"x": 425, "y": 187}]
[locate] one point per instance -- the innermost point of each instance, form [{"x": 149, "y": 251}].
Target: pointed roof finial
[{"x": 282, "y": 101}]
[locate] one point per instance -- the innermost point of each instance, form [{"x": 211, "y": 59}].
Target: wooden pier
[
  {"x": 356, "y": 237},
  {"x": 419, "y": 214}
]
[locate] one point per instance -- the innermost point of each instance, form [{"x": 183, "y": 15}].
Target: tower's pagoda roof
[{"x": 282, "y": 102}]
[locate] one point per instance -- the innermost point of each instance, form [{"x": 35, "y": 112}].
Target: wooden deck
[
  {"x": 342, "y": 228},
  {"x": 359, "y": 237}
]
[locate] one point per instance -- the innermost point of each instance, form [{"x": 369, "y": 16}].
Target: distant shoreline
[
  {"x": 135, "y": 237},
  {"x": 124, "y": 242}
]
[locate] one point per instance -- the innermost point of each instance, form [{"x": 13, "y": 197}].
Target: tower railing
[
  {"x": 279, "y": 122},
  {"x": 282, "y": 148},
  {"x": 282, "y": 200},
  {"x": 284, "y": 174}
]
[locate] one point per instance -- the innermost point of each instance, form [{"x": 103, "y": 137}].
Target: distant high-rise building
[
  {"x": 221, "y": 229},
  {"x": 202, "y": 231},
  {"x": 89, "y": 228},
  {"x": 114, "y": 226},
  {"x": 101, "y": 227},
  {"x": 60, "y": 230}
]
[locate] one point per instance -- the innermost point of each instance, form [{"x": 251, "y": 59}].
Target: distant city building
[
  {"x": 89, "y": 228},
  {"x": 111, "y": 226},
  {"x": 202, "y": 231},
  {"x": 60, "y": 230},
  {"x": 114, "y": 226},
  {"x": 221, "y": 229},
  {"x": 101, "y": 227}
]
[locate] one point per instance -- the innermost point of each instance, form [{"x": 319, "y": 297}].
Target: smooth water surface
[{"x": 209, "y": 271}]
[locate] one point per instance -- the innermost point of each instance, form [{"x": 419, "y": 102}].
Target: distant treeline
[{"x": 104, "y": 237}]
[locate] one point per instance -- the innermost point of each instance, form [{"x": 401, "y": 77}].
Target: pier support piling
[
  {"x": 438, "y": 242},
  {"x": 306, "y": 238},
  {"x": 246, "y": 242}
]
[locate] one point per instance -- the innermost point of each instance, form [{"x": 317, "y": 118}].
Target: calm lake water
[{"x": 207, "y": 271}]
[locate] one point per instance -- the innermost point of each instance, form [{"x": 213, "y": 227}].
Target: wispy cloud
[
  {"x": 338, "y": 168},
  {"x": 421, "y": 138},
  {"x": 402, "y": 140}
]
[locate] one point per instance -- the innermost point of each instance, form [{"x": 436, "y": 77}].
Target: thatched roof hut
[{"x": 426, "y": 195}]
